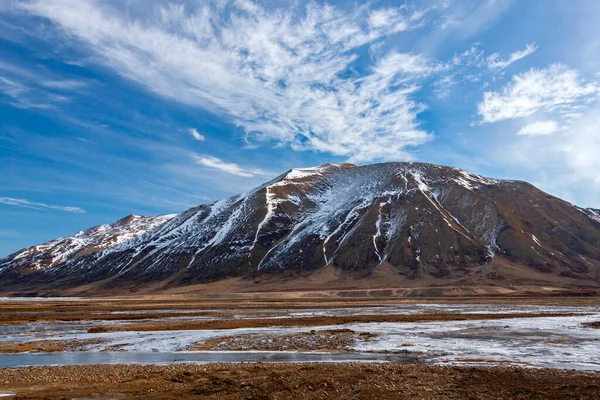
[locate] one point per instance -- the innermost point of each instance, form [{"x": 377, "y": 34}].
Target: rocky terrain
[
  {"x": 297, "y": 381},
  {"x": 396, "y": 224}
]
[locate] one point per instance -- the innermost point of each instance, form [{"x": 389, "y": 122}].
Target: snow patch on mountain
[
  {"x": 472, "y": 181},
  {"x": 594, "y": 214}
]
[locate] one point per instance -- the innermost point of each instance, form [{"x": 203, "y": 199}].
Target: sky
[{"x": 110, "y": 108}]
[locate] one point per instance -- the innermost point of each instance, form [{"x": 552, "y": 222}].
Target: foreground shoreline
[{"x": 297, "y": 381}]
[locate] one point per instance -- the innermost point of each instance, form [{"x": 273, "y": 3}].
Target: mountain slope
[
  {"x": 98, "y": 238},
  {"x": 411, "y": 222}
]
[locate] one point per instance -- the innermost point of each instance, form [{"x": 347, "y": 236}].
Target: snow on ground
[{"x": 556, "y": 342}]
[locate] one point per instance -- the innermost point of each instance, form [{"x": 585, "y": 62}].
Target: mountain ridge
[
  {"x": 412, "y": 221},
  {"x": 96, "y": 238}
]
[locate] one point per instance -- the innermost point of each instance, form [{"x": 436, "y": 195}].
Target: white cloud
[
  {"x": 565, "y": 163},
  {"x": 471, "y": 18},
  {"x": 553, "y": 89},
  {"x": 197, "y": 135},
  {"x": 473, "y": 57},
  {"x": 538, "y": 128},
  {"x": 495, "y": 62},
  {"x": 383, "y": 18},
  {"x": 473, "y": 66},
  {"x": 230, "y": 168},
  {"x": 22, "y": 96},
  {"x": 33, "y": 204},
  {"x": 283, "y": 75},
  {"x": 447, "y": 22},
  {"x": 443, "y": 86},
  {"x": 67, "y": 84},
  {"x": 35, "y": 88}
]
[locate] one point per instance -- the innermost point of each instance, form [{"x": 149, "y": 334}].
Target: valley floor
[{"x": 495, "y": 347}]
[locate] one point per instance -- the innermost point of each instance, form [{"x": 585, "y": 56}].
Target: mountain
[
  {"x": 396, "y": 224},
  {"x": 54, "y": 252}
]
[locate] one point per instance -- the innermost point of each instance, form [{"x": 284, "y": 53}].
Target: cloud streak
[
  {"x": 230, "y": 168},
  {"x": 35, "y": 89},
  {"x": 538, "y": 128},
  {"x": 196, "y": 135},
  {"x": 495, "y": 61},
  {"x": 37, "y": 205}
]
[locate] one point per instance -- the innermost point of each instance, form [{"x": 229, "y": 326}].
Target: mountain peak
[{"x": 128, "y": 219}]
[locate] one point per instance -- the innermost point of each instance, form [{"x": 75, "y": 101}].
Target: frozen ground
[{"x": 555, "y": 342}]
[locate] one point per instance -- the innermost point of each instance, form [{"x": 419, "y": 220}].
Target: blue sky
[{"x": 109, "y": 108}]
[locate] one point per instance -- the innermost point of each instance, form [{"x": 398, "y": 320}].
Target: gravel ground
[
  {"x": 297, "y": 381},
  {"x": 46, "y": 346},
  {"x": 324, "y": 340}
]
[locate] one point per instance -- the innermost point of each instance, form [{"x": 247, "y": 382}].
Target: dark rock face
[{"x": 419, "y": 220}]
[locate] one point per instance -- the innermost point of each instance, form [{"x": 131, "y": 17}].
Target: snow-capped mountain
[
  {"x": 411, "y": 221},
  {"x": 91, "y": 240}
]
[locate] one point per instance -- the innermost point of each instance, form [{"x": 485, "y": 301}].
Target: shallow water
[
  {"x": 554, "y": 342},
  {"x": 42, "y": 359}
]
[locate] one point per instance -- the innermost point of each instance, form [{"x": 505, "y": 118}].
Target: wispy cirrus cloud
[
  {"x": 476, "y": 57},
  {"x": 228, "y": 167},
  {"x": 495, "y": 61},
  {"x": 283, "y": 75},
  {"x": 474, "y": 66},
  {"x": 552, "y": 89},
  {"x": 28, "y": 88},
  {"x": 34, "y": 204}
]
